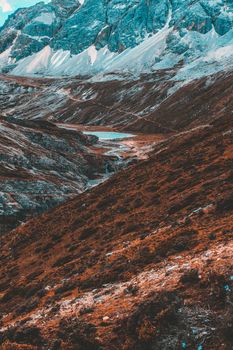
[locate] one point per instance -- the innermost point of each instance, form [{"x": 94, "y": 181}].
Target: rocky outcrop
[
  {"x": 41, "y": 166},
  {"x": 86, "y": 38},
  {"x": 33, "y": 28}
]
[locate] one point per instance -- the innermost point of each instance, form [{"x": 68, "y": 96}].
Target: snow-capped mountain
[{"x": 89, "y": 37}]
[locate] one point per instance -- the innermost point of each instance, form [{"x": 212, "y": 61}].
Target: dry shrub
[
  {"x": 77, "y": 334},
  {"x": 150, "y": 320},
  {"x": 24, "y": 336},
  {"x": 13, "y": 346},
  {"x": 225, "y": 205}
]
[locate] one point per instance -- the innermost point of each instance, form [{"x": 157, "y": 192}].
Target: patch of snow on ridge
[
  {"x": 59, "y": 63},
  {"x": 206, "y": 54},
  {"x": 5, "y": 57},
  {"x": 142, "y": 57},
  {"x": 92, "y": 53},
  {"x": 46, "y": 18},
  {"x": 220, "y": 53},
  {"x": 34, "y": 64}
]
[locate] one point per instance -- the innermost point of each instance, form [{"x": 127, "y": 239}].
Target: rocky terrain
[
  {"x": 41, "y": 166},
  {"x": 152, "y": 103},
  {"x": 72, "y": 100},
  {"x": 96, "y": 37},
  {"x": 143, "y": 261}
]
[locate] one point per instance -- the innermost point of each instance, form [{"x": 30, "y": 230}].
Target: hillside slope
[
  {"x": 152, "y": 103},
  {"x": 41, "y": 166},
  {"x": 143, "y": 261}
]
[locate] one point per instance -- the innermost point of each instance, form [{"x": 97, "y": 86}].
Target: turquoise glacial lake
[{"x": 107, "y": 135}]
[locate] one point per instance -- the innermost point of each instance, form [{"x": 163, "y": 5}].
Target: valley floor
[{"x": 139, "y": 145}]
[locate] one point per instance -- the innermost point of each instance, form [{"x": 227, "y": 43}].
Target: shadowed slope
[{"x": 41, "y": 166}]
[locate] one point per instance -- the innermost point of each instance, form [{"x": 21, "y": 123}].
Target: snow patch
[
  {"x": 46, "y": 18},
  {"x": 34, "y": 64},
  {"x": 92, "y": 52},
  {"x": 5, "y": 57},
  {"x": 207, "y": 54}
]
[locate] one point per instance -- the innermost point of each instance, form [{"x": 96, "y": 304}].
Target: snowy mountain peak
[{"x": 88, "y": 37}]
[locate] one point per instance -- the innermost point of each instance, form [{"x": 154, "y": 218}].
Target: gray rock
[{"x": 117, "y": 24}]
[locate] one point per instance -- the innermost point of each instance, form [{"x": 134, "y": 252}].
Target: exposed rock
[
  {"x": 71, "y": 38},
  {"x": 41, "y": 166}
]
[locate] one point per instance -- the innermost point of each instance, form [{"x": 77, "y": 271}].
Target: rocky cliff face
[
  {"x": 41, "y": 166},
  {"x": 88, "y": 37},
  {"x": 32, "y": 29}
]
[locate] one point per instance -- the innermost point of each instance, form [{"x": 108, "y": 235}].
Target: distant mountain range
[{"x": 114, "y": 36}]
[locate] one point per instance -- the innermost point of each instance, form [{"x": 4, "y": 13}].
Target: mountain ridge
[{"x": 118, "y": 36}]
